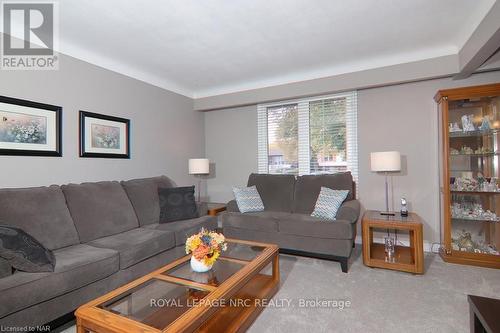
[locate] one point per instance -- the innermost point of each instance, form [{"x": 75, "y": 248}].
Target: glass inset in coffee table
[{"x": 175, "y": 299}]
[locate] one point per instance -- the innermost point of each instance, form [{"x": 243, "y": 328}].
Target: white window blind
[
  {"x": 283, "y": 139},
  {"x": 309, "y": 136}
]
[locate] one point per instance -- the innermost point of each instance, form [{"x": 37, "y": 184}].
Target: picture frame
[
  {"x": 29, "y": 128},
  {"x": 104, "y": 136}
]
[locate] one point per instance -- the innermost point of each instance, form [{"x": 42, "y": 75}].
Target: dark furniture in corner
[
  {"x": 287, "y": 221},
  {"x": 484, "y": 314}
]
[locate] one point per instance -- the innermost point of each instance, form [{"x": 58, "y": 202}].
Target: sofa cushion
[
  {"x": 77, "y": 266},
  {"x": 143, "y": 194},
  {"x": 41, "y": 212},
  {"x": 263, "y": 221},
  {"x": 99, "y": 209},
  {"x": 309, "y": 226},
  {"x": 276, "y": 191},
  {"x": 24, "y": 252},
  {"x": 136, "y": 245},
  {"x": 349, "y": 211},
  {"x": 307, "y": 189},
  {"x": 336, "y": 247},
  {"x": 5, "y": 268},
  {"x": 184, "y": 229},
  {"x": 232, "y": 206}
]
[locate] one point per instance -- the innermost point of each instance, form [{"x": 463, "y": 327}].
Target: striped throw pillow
[
  {"x": 328, "y": 203},
  {"x": 248, "y": 199}
]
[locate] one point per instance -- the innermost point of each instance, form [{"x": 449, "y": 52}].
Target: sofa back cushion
[
  {"x": 99, "y": 209},
  {"x": 308, "y": 187},
  {"x": 276, "y": 191},
  {"x": 5, "y": 268},
  {"x": 143, "y": 194},
  {"x": 40, "y": 212}
]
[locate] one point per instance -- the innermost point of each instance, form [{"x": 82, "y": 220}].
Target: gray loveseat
[
  {"x": 287, "y": 220},
  {"x": 103, "y": 235}
]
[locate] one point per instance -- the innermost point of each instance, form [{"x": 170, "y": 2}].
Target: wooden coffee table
[{"x": 175, "y": 299}]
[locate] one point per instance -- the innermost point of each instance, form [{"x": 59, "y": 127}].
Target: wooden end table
[
  {"x": 407, "y": 258},
  {"x": 215, "y": 208}
]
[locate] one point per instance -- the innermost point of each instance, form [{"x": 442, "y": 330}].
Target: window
[
  {"x": 309, "y": 136},
  {"x": 283, "y": 139},
  {"x": 327, "y": 136}
]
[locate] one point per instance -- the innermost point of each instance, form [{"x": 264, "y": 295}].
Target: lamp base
[{"x": 387, "y": 213}]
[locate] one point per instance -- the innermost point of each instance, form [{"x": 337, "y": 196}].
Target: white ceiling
[{"x": 207, "y": 47}]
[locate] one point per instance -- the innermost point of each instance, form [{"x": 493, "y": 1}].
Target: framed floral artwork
[
  {"x": 104, "y": 136},
  {"x": 29, "y": 128}
]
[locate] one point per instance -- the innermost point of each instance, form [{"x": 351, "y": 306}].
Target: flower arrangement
[{"x": 206, "y": 247}]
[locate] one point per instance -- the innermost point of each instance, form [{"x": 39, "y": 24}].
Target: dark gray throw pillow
[
  {"x": 24, "y": 252},
  {"x": 177, "y": 203}
]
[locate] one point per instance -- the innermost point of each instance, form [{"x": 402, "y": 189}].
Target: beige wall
[
  {"x": 400, "y": 117},
  {"x": 165, "y": 131},
  {"x": 231, "y": 145}
]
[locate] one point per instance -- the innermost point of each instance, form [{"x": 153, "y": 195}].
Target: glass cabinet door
[{"x": 474, "y": 151}]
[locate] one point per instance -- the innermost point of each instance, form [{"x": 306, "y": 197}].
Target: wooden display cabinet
[{"x": 469, "y": 139}]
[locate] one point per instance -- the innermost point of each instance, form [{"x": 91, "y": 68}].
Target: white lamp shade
[
  {"x": 385, "y": 161},
  {"x": 199, "y": 166}
]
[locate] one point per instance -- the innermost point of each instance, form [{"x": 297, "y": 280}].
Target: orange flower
[{"x": 200, "y": 252}]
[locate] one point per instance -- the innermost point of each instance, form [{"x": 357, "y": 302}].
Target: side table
[
  {"x": 407, "y": 258},
  {"x": 215, "y": 208}
]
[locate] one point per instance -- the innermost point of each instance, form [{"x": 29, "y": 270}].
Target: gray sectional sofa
[
  {"x": 103, "y": 235},
  {"x": 287, "y": 221}
]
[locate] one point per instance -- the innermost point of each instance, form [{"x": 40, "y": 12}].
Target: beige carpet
[{"x": 381, "y": 300}]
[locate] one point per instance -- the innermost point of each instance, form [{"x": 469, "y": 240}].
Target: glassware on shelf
[
  {"x": 468, "y": 123},
  {"x": 466, "y": 150},
  {"x": 464, "y": 242},
  {"x": 466, "y": 184},
  {"x": 476, "y": 133},
  {"x": 485, "y": 124},
  {"x": 453, "y": 127},
  {"x": 390, "y": 249},
  {"x": 472, "y": 211}
]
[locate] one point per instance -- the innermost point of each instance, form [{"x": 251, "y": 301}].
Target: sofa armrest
[
  {"x": 5, "y": 268},
  {"x": 202, "y": 208},
  {"x": 349, "y": 211},
  {"x": 232, "y": 206}
]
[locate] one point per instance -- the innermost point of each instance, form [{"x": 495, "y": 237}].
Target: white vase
[{"x": 199, "y": 266}]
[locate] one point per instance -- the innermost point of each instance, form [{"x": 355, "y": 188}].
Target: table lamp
[
  {"x": 386, "y": 161},
  {"x": 199, "y": 167}
]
